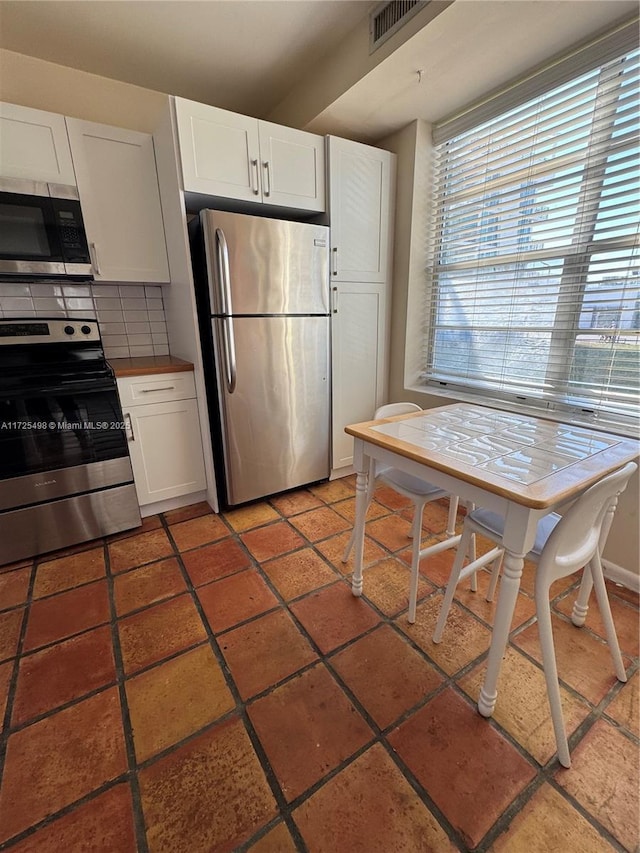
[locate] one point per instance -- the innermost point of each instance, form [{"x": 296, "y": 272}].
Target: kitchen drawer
[{"x": 156, "y": 388}]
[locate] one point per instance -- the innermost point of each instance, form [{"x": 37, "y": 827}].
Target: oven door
[{"x": 60, "y": 442}]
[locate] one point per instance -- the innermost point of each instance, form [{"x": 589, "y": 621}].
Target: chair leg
[
  {"x": 415, "y": 560},
  {"x": 453, "y": 514},
  {"x": 347, "y": 550},
  {"x": 581, "y": 604},
  {"x": 595, "y": 568},
  {"x": 543, "y": 611},
  {"x": 495, "y": 574},
  {"x": 452, "y": 583},
  {"x": 471, "y": 555},
  {"x": 471, "y": 551}
]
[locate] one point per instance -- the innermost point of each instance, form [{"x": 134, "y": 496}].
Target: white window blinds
[{"x": 534, "y": 278}]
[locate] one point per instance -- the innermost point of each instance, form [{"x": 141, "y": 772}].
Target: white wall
[
  {"x": 45, "y": 86},
  {"x": 412, "y": 145},
  {"x": 343, "y": 67}
]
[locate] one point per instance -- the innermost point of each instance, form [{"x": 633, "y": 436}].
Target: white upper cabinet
[
  {"x": 220, "y": 151},
  {"x": 34, "y": 146},
  {"x": 234, "y": 156},
  {"x": 120, "y": 199},
  {"x": 292, "y": 167},
  {"x": 359, "y": 209}
]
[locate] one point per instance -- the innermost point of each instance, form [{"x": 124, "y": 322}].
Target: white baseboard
[
  {"x": 338, "y": 473},
  {"x": 617, "y": 574},
  {"x": 172, "y": 503}
]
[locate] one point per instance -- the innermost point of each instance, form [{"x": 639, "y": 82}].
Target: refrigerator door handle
[
  {"x": 230, "y": 354},
  {"x": 222, "y": 253}
]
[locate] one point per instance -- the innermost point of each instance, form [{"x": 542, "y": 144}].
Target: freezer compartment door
[
  {"x": 275, "y": 421},
  {"x": 266, "y": 266}
]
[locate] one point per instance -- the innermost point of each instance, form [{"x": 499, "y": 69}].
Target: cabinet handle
[
  {"x": 155, "y": 390},
  {"x": 334, "y": 261},
  {"x": 93, "y": 253},
  {"x": 335, "y": 299},
  {"x": 128, "y": 427},
  {"x": 255, "y": 187},
  {"x": 267, "y": 173}
]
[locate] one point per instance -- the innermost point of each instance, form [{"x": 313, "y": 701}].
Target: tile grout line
[
  {"x": 49, "y": 819},
  {"x": 13, "y": 684},
  {"x": 323, "y": 658},
  {"x": 132, "y": 775},
  {"x": 543, "y": 773},
  {"x": 283, "y": 604},
  {"x": 239, "y": 705}
]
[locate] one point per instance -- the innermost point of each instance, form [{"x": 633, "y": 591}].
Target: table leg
[
  {"x": 362, "y": 481},
  {"x": 509, "y": 586}
]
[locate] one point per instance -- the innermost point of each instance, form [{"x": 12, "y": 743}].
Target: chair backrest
[
  {"x": 389, "y": 410},
  {"x": 577, "y": 536},
  {"x": 392, "y": 409}
]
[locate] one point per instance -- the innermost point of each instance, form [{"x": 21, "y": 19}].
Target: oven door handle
[{"x": 67, "y": 389}]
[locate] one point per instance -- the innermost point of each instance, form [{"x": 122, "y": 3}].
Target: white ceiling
[
  {"x": 470, "y": 49},
  {"x": 247, "y": 55},
  {"x": 242, "y": 55}
]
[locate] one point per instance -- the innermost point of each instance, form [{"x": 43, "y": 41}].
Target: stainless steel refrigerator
[{"x": 262, "y": 288}]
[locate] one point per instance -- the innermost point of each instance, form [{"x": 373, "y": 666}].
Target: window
[{"x": 534, "y": 279}]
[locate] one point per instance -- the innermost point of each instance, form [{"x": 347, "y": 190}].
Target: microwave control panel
[{"x": 70, "y": 228}]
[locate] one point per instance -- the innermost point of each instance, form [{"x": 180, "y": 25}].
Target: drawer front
[{"x": 156, "y": 388}]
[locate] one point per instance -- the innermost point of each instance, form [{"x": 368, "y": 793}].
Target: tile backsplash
[{"x": 131, "y": 316}]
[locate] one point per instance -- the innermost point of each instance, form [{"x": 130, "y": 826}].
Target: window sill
[{"x": 508, "y": 406}]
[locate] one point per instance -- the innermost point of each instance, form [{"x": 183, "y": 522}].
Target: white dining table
[{"x": 520, "y": 466}]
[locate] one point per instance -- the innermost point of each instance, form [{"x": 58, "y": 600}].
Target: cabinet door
[
  {"x": 358, "y": 337},
  {"x": 34, "y": 145},
  {"x": 291, "y": 167},
  {"x": 118, "y": 188},
  {"x": 219, "y": 151},
  {"x": 359, "y": 185},
  {"x": 166, "y": 450}
]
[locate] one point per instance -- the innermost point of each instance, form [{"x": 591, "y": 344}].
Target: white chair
[
  {"x": 563, "y": 545},
  {"x": 420, "y": 493}
]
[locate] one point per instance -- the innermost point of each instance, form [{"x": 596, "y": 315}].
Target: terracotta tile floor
[{"x": 208, "y": 683}]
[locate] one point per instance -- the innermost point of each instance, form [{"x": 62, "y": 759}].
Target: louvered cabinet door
[{"x": 359, "y": 193}]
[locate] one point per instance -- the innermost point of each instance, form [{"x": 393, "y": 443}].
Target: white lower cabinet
[
  {"x": 358, "y": 360},
  {"x": 163, "y": 429}
]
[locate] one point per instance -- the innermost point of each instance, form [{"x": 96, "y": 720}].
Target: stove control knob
[
  {"x": 69, "y": 330},
  {"x": 86, "y": 330}
]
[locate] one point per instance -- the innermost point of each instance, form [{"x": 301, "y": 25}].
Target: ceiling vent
[{"x": 387, "y": 18}]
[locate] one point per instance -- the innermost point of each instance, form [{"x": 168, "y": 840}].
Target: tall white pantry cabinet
[{"x": 361, "y": 180}]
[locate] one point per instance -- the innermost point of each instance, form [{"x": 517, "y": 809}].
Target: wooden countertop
[{"x": 149, "y": 364}]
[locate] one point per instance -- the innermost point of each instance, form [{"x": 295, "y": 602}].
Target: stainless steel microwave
[{"x": 42, "y": 231}]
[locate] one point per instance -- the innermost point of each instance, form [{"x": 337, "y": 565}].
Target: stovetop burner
[{"x": 51, "y": 353}]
